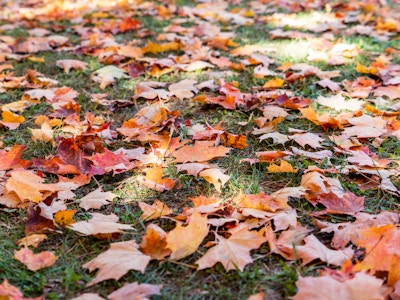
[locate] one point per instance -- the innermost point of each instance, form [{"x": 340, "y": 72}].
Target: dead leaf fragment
[{"x": 154, "y": 211}]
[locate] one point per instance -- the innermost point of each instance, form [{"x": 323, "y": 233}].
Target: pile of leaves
[{"x": 70, "y": 149}]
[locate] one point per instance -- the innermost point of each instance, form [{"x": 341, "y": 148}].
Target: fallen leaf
[
  {"x": 107, "y": 75},
  {"x": 35, "y": 262},
  {"x": 135, "y": 291},
  {"x": 117, "y": 261},
  {"x": 184, "y": 241},
  {"x": 68, "y": 64},
  {"x": 184, "y": 89},
  {"x": 308, "y": 138},
  {"x": 12, "y": 159},
  {"x": 154, "y": 243},
  {"x": 10, "y": 292},
  {"x": 65, "y": 218},
  {"x": 32, "y": 240},
  {"x": 361, "y": 286},
  {"x": 201, "y": 151},
  {"x": 283, "y": 167},
  {"x": 216, "y": 177},
  {"x": 11, "y": 120},
  {"x": 233, "y": 252},
  {"x": 314, "y": 249},
  {"x": 154, "y": 211},
  {"x": 96, "y": 199},
  {"x": 153, "y": 180},
  {"x": 88, "y": 296}
]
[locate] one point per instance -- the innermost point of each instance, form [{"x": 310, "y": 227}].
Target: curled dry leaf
[
  {"x": 153, "y": 180},
  {"x": 117, "y": 261},
  {"x": 216, "y": 177},
  {"x": 32, "y": 240},
  {"x": 33, "y": 261}
]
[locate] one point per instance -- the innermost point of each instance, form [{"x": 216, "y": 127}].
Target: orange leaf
[
  {"x": 235, "y": 141},
  {"x": 12, "y": 159},
  {"x": 154, "y": 243},
  {"x": 29, "y": 187},
  {"x": 33, "y": 261},
  {"x": 10, "y": 292},
  {"x": 68, "y": 64},
  {"x": 200, "y": 152},
  {"x": 284, "y": 167},
  {"x": 32, "y": 240}
]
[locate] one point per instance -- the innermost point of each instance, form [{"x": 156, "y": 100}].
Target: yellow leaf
[
  {"x": 284, "y": 167},
  {"x": 184, "y": 241},
  {"x": 64, "y": 217},
  {"x": 274, "y": 83}
]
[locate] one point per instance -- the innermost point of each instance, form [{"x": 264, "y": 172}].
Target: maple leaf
[
  {"x": 68, "y": 64},
  {"x": 117, "y": 261},
  {"x": 392, "y": 92},
  {"x": 100, "y": 225},
  {"x": 184, "y": 241},
  {"x": 29, "y": 187},
  {"x": 235, "y": 141},
  {"x": 325, "y": 121},
  {"x": 33, "y": 261},
  {"x": 96, "y": 199},
  {"x": 201, "y": 151},
  {"x": 107, "y": 75},
  {"x": 361, "y": 286},
  {"x": 314, "y": 249},
  {"x": 88, "y": 296},
  {"x": 365, "y": 126},
  {"x": 150, "y": 90},
  {"x": 154, "y": 211},
  {"x": 233, "y": 252},
  {"x": 260, "y": 201},
  {"x": 109, "y": 161},
  {"x": 348, "y": 203},
  {"x": 65, "y": 217},
  {"x": 135, "y": 291},
  {"x": 338, "y": 102},
  {"x": 12, "y": 159},
  {"x": 10, "y": 292},
  {"x": 44, "y": 134},
  {"x": 293, "y": 102},
  {"x": 11, "y": 120},
  {"x": 154, "y": 243},
  {"x": 307, "y": 138},
  {"x": 184, "y": 89},
  {"x": 71, "y": 154}
]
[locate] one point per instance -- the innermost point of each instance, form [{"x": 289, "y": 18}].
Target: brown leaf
[
  {"x": 33, "y": 261},
  {"x": 32, "y": 240},
  {"x": 10, "y": 292},
  {"x": 216, "y": 177},
  {"x": 117, "y": 261},
  {"x": 135, "y": 291}
]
